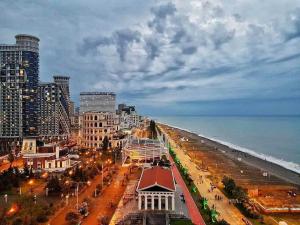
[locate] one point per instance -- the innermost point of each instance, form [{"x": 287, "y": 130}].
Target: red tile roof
[{"x": 157, "y": 175}]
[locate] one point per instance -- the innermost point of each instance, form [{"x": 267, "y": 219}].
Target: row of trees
[
  {"x": 210, "y": 215},
  {"x": 12, "y": 177}
]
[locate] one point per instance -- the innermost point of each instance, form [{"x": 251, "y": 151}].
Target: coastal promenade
[
  {"x": 191, "y": 205},
  {"x": 227, "y": 211}
]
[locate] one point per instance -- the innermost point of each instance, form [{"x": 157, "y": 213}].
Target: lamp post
[
  {"x": 76, "y": 191},
  {"x": 31, "y": 182}
]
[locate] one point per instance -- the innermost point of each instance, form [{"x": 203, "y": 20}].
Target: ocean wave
[{"x": 286, "y": 164}]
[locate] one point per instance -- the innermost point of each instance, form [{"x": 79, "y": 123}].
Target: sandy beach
[
  {"x": 270, "y": 181},
  {"x": 196, "y": 142}
]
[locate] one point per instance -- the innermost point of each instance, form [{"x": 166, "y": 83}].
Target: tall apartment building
[
  {"x": 19, "y": 76},
  {"x": 97, "y": 102},
  {"x": 54, "y": 114}
]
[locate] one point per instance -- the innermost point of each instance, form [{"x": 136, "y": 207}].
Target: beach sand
[{"x": 247, "y": 170}]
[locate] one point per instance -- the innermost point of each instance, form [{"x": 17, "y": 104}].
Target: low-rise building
[
  {"x": 142, "y": 150},
  {"x": 156, "y": 189},
  {"x": 45, "y": 157}
]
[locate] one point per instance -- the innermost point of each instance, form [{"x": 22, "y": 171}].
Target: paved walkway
[
  {"x": 227, "y": 211},
  {"x": 191, "y": 205},
  {"x": 98, "y": 206},
  {"x": 128, "y": 203}
]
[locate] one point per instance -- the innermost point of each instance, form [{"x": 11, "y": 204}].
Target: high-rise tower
[{"x": 19, "y": 76}]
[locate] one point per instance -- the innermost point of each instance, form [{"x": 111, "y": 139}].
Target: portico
[
  {"x": 156, "y": 189},
  {"x": 156, "y": 200}
]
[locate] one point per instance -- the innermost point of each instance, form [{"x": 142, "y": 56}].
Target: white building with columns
[{"x": 156, "y": 189}]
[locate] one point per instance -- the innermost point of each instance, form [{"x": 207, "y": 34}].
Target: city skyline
[
  {"x": 154, "y": 112},
  {"x": 179, "y": 50}
]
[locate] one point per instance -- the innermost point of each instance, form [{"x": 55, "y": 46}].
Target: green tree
[
  {"x": 229, "y": 185},
  {"x": 105, "y": 143},
  {"x": 239, "y": 194},
  {"x": 72, "y": 218},
  {"x": 80, "y": 175},
  {"x": 54, "y": 185},
  {"x": 152, "y": 129}
]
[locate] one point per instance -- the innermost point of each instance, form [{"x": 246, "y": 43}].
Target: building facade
[
  {"x": 97, "y": 125},
  {"x": 54, "y": 106},
  {"x": 128, "y": 116},
  {"x": 44, "y": 158},
  {"x": 97, "y": 102},
  {"x": 156, "y": 189},
  {"x": 19, "y": 75}
]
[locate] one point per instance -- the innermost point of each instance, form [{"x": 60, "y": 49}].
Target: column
[
  {"x": 159, "y": 202},
  {"x": 146, "y": 202},
  {"x": 173, "y": 202},
  {"x": 152, "y": 202},
  {"x": 140, "y": 202},
  {"x": 166, "y": 202}
]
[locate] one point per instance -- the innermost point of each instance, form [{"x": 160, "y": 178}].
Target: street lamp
[{"x": 31, "y": 182}]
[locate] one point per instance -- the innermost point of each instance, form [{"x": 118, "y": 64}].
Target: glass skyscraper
[{"x": 19, "y": 76}]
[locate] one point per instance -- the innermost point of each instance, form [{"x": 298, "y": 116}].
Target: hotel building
[
  {"x": 19, "y": 75},
  {"x": 97, "y": 102},
  {"x": 97, "y": 125},
  {"x": 54, "y": 103}
]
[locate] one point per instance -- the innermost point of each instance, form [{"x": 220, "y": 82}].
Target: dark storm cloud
[
  {"x": 123, "y": 38},
  {"x": 189, "y": 50},
  {"x": 90, "y": 44},
  {"x": 160, "y": 14},
  {"x": 152, "y": 48}
]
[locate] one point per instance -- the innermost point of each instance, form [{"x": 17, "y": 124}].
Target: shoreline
[{"x": 272, "y": 168}]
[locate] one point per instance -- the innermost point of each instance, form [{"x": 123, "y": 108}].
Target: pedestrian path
[
  {"x": 226, "y": 211},
  {"x": 191, "y": 205}
]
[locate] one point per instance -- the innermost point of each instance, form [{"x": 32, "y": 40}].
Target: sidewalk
[
  {"x": 227, "y": 211},
  {"x": 191, "y": 205}
]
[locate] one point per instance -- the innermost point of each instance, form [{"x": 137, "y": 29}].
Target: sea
[{"x": 273, "y": 138}]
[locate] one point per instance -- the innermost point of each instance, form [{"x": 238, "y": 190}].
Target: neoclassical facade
[
  {"x": 96, "y": 125},
  {"x": 156, "y": 189}
]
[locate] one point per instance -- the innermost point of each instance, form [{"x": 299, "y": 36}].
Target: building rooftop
[
  {"x": 26, "y": 36},
  {"x": 156, "y": 176},
  {"x": 97, "y": 93}
]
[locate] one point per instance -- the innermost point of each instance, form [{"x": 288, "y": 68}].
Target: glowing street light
[
  {"x": 45, "y": 175},
  {"x": 12, "y": 210},
  {"x": 31, "y": 182}
]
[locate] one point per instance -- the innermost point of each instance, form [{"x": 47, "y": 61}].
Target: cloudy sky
[{"x": 169, "y": 57}]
